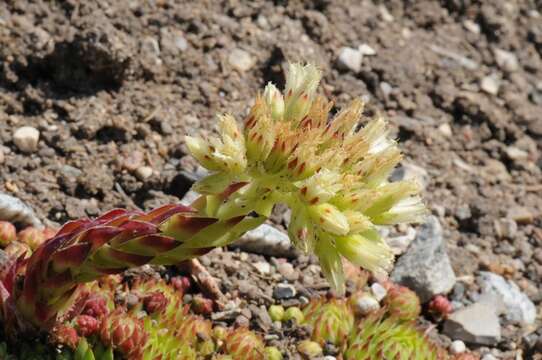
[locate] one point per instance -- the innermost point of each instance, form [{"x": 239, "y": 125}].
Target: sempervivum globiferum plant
[{"x": 332, "y": 173}]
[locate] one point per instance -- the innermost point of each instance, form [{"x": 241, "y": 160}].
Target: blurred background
[{"x": 109, "y": 89}]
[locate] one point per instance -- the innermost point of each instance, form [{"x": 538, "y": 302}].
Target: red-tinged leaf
[
  {"x": 183, "y": 226},
  {"x": 73, "y": 226},
  {"x": 158, "y": 215},
  {"x": 231, "y": 189},
  {"x": 132, "y": 229},
  {"x": 70, "y": 256},
  {"x": 98, "y": 236},
  {"x": 148, "y": 245},
  {"x": 129, "y": 259},
  {"x": 112, "y": 215}
]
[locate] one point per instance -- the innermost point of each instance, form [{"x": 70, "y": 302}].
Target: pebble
[
  {"x": 458, "y": 347},
  {"x": 518, "y": 308},
  {"x": 263, "y": 267},
  {"x": 379, "y": 292},
  {"x": 490, "y": 84},
  {"x": 241, "y": 60},
  {"x": 471, "y": 26},
  {"x": 520, "y": 214},
  {"x": 26, "y": 139},
  {"x": 350, "y": 59},
  {"x": 476, "y": 324},
  {"x": 287, "y": 271},
  {"x": 445, "y": 129},
  {"x": 143, "y": 172},
  {"x": 399, "y": 244},
  {"x": 284, "y": 291},
  {"x": 2, "y": 157},
  {"x": 506, "y": 228},
  {"x": 266, "y": 240},
  {"x": 366, "y": 50},
  {"x": 366, "y": 304},
  {"x": 409, "y": 171},
  {"x": 489, "y": 357},
  {"x": 425, "y": 267},
  {"x": 506, "y": 60},
  {"x": 516, "y": 154}
]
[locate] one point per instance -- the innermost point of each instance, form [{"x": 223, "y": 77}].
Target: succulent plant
[
  {"x": 295, "y": 314},
  {"x": 310, "y": 349},
  {"x": 243, "y": 344},
  {"x": 331, "y": 173},
  {"x": 377, "y": 337},
  {"x": 124, "y": 333},
  {"x": 32, "y": 237},
  {"x": 402, "y": 303},
  {"x": 331, "y": 320}
]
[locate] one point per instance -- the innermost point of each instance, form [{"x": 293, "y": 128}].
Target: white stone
[
  {"x": 241, "y": 60},
  {"x": 350, "y": 59},
  {"x": 475, "y": 324},
  {"x": 143, "y": 172},
  {"x": 489, "y": 357},
  {"x": 517, "y": 154},
  {"x": 263, "y": 267},
  {"x": 458, "y": 347},
  {"x": 378, "y": 291},
  {"x": 506, "y": 60},
  {"x": 490, "y": 84},
  {"x": 366, "y": 50},
  {"x": 366, "y": 304},
  {"x": 518, "y": 307},
  {"x": 26, "y": 139},
  {"x": 266, "y": 240},
  {"x": 445, "y": 129},
  {"x": 399, "y": 244},
  {"x": 471, "y": 26}
]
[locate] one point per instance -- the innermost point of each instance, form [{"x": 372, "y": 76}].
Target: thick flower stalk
[
  {"x": 332, "y": 173},
  {"x": 37, "y": 289}
]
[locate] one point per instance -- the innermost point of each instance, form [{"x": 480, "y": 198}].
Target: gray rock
[
  {"x": 266, "y": 240},
  {"x": 26, "y": 139},
  {"x": 241, "y": 60},
  {"x": 425, "y": 267},
  {"x": 475, "y": 324},
  {"x": 284, "y": 291},
  {"x": 14, "y": 210},
  {"x": 409, "y": 171},
  {"x": 506, "y": 60},
  {"x": 490, "y": 84},
  {"x": 518, "y": 308},
  {"x": 350, "y": 59}
]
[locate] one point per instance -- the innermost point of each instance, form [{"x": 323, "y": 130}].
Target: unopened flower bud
[
  {"x": 32, "y": 237},
  {"x": 440, "y": 307},
  {"x": 329, "y": 218},
  {"x": 8, "y": 233},
  {"x": 87, "y": 325},
  {"x": 181, "y": 283},
  {"x": 201, "y": 305},
  {"x": 275, "y": 101},
  {"x": 155, "y": 302}
]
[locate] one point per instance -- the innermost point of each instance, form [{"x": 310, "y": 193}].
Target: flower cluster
[{"x": 332, "y": 173}]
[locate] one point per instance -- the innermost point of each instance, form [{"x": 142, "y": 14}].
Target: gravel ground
[{"x": 108, "y": 89}]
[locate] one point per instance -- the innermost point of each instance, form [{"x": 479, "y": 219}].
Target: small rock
[
  {"x": 506, "y": 228},
  {"x": 518, "y": 307},
  {"x": 399, "y": 244},
  {"x": 506, "y": 60},
  {"x": 263, "y": 267},
  {"x": 366, "y": 50},
  {"x": 189, "y": 197},
  {"x": 520, "y": 214},
  {"x": 385, "y": 14},
  {"x": 287, "y": 271},
  {"x": 386, "y": 88},
  {"x": 490, "y": 84},
  {"x": 284, "y": 291},
  {"x": 476, "y": 324},
  {"x": 379, "y": 292},
  {"x": 516, "y": 154},
  {"x": 26, "y": 139},
  {"x": 409, "y": 171},
  {"x": 143, "y": 172},
  {"x": 241, "y": 60},
  {"x": 2, "y": 157},
  {"x": 425, "y": 267},
  {"x": 266, "y": 240},
  {"x": 350, "y": 59},
  {"x": 471, "y": 26},
  {"x": 366, "y": 304},
  {"x": 445, "y": 129},
  {"x": 458, "y": 347},
  {"x": 489, "y": 357}
]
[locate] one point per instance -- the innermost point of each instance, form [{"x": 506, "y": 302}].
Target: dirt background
[{"x": 113, "y": 86}]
